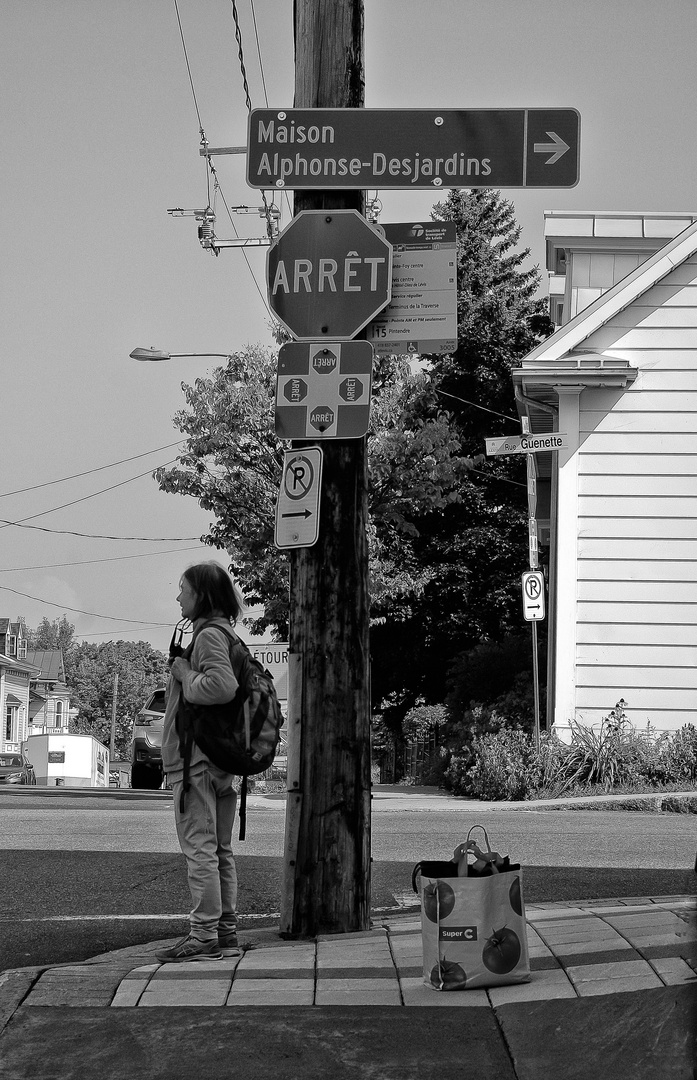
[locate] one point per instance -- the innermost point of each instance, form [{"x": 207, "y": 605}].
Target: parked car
[
  {"x": 16, "y": 769},
  {"x": 146, "y": 743}
]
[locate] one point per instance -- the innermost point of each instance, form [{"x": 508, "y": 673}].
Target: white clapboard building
[{"x": 617, "y": 507}]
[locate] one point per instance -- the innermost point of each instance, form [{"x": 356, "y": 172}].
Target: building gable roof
[
  {"x": 597, "y": 314},
  {"x": 12, "y": 664},
  {"x": 49, "y": 662}
]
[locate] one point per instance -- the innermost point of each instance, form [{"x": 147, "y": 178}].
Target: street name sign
[
  {"x": 323, "y": 390},
  {"x": 297, "y": 508},
  {"x": 533, "y": 588},
  {"x": 527, "y": 444},
  {"x": 328, "y": 274},
  {"x": 421, "y": 317},
  {"x": 413, "y": 148}
]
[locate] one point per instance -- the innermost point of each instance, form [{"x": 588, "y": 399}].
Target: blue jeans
[{"x": 205, "y": 837}]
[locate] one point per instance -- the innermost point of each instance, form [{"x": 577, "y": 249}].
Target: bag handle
[{"x": 462, "y": 852}]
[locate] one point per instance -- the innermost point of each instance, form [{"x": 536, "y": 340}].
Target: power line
[
  {"x": 90, "y": 562},
  {"x": 102, "y": 536},
  {"x": 80, "y": 611},
  {"x": 88, "y": 472},
  {"x": 261, "y": 66},
  {"x": 210, "y": 167},
  {"x": 475, "y": 406},
  {"x": 248, "y": 101},
  {"x": 121, "y": 630},
  {"x": 84, "y": 498},
  {"x": 188, "y": 68}
]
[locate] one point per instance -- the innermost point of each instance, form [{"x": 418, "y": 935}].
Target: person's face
[{"x": 187, "y": 599}]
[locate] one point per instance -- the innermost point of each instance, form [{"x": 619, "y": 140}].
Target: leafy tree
[
  {"x": 470, "y": 552},
  {"x": 90, "y": 671},
  {"x": 233, "y": 460},
  {"x": 57, "y": 634},
  {"x": 447, "y": 528}
]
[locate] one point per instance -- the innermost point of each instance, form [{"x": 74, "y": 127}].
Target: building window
[
  {"x": 22, "y": 647},
  {"x": 59, "y": 714},
  {"x": 12, "y": 724},
  {"x": 11, "y": 645}
]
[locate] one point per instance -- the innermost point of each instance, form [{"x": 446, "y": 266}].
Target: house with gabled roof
[
  {"x": 49, "y": 705},
  {"x": 13, "y": 638},
  {"x": 34, "y": 697},
  {"x": 14, "y": 702},
  {"x": 619, "y": 501}
]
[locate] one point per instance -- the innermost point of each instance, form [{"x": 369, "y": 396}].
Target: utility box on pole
[{"x": 326, "y": 886}]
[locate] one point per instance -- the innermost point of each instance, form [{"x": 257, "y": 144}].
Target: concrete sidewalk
[{"x": 613, "y": 993}]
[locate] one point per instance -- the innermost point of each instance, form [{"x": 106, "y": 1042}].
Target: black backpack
[{"x": 241, "y": 736}]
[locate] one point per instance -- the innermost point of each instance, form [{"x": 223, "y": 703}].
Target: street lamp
[{"x": 158, "y": 354}]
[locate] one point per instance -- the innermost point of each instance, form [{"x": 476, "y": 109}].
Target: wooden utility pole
[
  {"x": 114, "y": 699},
  {"x": 326, "y": 885}
]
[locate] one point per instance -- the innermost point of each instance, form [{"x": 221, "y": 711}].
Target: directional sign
[
  {"x": 413, "y": 148},
  {"x": 323, "y": 391},
  {"x": 527, "y": 444},
  {"x": 297, "y": 509},
  {"x": 421, "y": 317},
  {"x": 328, "y": 274},
  {"x": 533, "y": 586}
]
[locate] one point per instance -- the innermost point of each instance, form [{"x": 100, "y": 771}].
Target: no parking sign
[
  {"x": 297, "y": 509},
  {"x": 533, "y": 582}
]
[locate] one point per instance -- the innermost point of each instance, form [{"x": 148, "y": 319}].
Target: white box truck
[{"x": 68, "y": 760}]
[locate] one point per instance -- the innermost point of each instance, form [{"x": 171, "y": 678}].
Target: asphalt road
[{"x": 79, "y": 876}]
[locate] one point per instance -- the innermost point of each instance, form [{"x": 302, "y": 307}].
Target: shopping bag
[{"x": 472, "y": 919}]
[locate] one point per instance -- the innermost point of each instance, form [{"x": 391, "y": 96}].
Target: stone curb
[{"x": 15, "y": 985}]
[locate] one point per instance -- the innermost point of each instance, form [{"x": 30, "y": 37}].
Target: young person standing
[{"x": 204, "y": 826}]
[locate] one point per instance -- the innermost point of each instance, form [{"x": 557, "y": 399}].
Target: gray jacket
[{"x": 211, "y": 681}]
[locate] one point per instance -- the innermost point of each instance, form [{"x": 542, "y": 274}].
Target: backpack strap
[
  {"x": 243, "y": 810},
  {"x": 186, "y": 740}
]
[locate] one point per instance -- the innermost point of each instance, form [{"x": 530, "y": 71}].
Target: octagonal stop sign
[{"x": 328, "y": 274}]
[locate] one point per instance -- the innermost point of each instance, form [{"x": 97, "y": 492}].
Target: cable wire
[
  {"x": 261, "y": 66},
  {"x": 84, "y": 498},
  {"x": 88, "y": 472},
  {"x": 188, "y": 68},
  {"x": 475, "y": 406},
  {"x": 90, "y": 562},
  {"x": 248, "y": 101},
  {"x": 210, "y": 167},
  {"x": 102, "y": 536},
  {"x": 80, "y": 611}
]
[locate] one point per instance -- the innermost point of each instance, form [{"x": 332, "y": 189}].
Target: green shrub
[
  {"x": 602, "y": 755},
  {"x": 679, "y": 755},
  {"x": 501, "y": 768},
  {"x": 502, "y": 763},
  {"x": 548, "y": 766}
]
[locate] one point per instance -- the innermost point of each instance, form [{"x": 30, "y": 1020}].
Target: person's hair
[{"x": 215, "y": 591}]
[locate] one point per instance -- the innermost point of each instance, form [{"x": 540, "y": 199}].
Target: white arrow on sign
[
  {"x": 557, "y": 148},
  {"x": 297, "y": 509}
]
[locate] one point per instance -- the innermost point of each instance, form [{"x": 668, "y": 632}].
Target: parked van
[{"x": 62, "y": 760}]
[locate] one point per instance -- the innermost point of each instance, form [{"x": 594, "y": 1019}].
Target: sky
[{"x": 100, "y": 136}]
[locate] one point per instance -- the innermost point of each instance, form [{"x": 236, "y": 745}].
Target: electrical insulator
[{"x": 206, "y": 229}]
